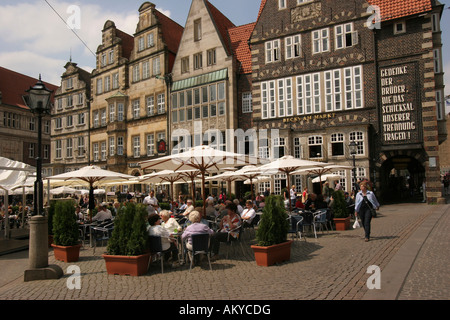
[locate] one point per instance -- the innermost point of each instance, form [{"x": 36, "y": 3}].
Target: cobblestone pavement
[{"x": 331, "y": 267}]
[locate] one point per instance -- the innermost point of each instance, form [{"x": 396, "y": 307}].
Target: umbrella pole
[
  {"x": 289, "y": 191},
  {"x": 91, "y": 200},
  {"x": 203, "y": 195}
]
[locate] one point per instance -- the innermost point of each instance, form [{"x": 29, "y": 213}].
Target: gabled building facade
[
  {"x": 323, "y": 76},
  {"x": 129, "y": 99},
  {"x": 70, "y": 121}
]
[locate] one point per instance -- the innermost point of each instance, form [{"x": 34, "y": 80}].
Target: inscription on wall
[
  {"x": 305, "y": 12},
  {"x": 399, "y": 105}
]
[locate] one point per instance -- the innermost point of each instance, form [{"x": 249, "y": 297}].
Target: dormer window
[{"x": 400, "y": 27}]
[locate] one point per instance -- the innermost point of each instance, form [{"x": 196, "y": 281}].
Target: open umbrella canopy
[
  {"x": 64, "y": 190},
  {"x": 327, "y": 177}
]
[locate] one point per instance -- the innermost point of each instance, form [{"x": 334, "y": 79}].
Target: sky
[{"x": 35, "y": 38}]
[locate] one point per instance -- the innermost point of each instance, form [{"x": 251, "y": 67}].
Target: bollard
[{"x": 39, "y": 269}]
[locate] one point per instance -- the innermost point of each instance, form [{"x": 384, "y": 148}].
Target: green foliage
[
  {"x": 65, "y": 226},
  {"x": 198, "y": 203},
  {"x": 164, "y": 206},
  {"x": 274, "y": 223},
  {"x": 339, "y": 206},
  {"x": 50, "y": 215},
  {"x": 129, "y": 237}
]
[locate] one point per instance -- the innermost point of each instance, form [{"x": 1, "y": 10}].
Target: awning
[{"x": 200, "y": 80}]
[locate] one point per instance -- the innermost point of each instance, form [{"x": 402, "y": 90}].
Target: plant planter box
[
  {"x": 127, "y": 265},
  {"x": 267, "y": 256},
  {"x": 67, "y": 253},
  {"x": 342, "y": 224}
]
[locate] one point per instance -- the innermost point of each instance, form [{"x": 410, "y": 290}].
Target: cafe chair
[
  {"x": 296, "y": 225},
  {"x": 320, "y": 219},
  {"x": 308, "y": 221},
  {"x": 156, "y": 250},
  {"x": 231, "y": 239},
  {"x": 200, "y": 245},
  {"x": 101, "y": 232}
]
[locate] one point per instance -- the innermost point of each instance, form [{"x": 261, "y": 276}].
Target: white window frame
[
  {"x": 440, "y": 105},
  {"x": 58, "y": 149},
  {"x": 150, "y": 101},
  {"x": 358, "y": 137},
  {"x": 333, "y": 90},
  {"x": 342, "y": 32},
  {"x": 321, "y": 40},
  {"x": 293, "y": 47},
  {"x": 136, "y": 146},
  {"x": 247, "y": 106},
  {"x": 136, "y": 109},
  {"x": 353, "y": 88},
  {"x": 112, "y": 146},
  {"x": 272, "y": 49},
  {"x": 337, "y": 138},
  {"x": 161, "y": 103},
  {"x": 120, "y": 146},
  {"x": 156, "y": 66},
  {"x": 103, "y": 151},
  {"x": 150, "y": 140},
  {"x": 112, "y": 112},
  {"x": 146, "y": 69},
  {"x": 120, "y": 112},
  {"x": 316, "y": 140},
  {"x": 282, "y": 4},
  {"x": 297, "y": 148},
  {"x": 95, "y": 151},
  {"x": 437, "y": 60},
  {"x": 80, "y": 146}
]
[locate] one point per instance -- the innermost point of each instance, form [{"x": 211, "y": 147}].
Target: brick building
[
  {"x": 326, "y": 73},
  {"x": 18, "y": 126}
]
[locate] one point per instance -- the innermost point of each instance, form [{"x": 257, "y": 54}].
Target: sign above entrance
[{"x": 399, "y": 104}]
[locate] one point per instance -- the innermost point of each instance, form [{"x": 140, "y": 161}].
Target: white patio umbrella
[
  {"x": 168, "y": 176},
  {"x": 325, "y": 177},
  {"x": 322, "y": 169},
  {"x": 205, "y": 159},
  {"x": 92, "y": 176},
  {"x": 287, "y": 165},
  {"x": 64, "y": 190}
]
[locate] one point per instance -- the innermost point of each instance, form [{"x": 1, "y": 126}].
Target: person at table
[
  {"x": 190, "y": 207},
  {"x": 78, "y": 213},
  {"x": 211, "y": 212},
  {"x": 309, "y": 203},
  {"x": 103, "y": 213},
  {"x": 168, "y": 222},
  {"x": 248, "y": 214},
  {"x": 169, "y": 248},
  {"x": 320, "y": 202},
  {"x": 195, "y": 227},
  {"x": 228, "y": 224}
]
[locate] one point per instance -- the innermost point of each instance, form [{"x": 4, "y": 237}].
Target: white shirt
[
  {"x": 150, "y": 202},
  {"x": 102, "y": 215},
  {"x": 248, "y": 214},
  {"x": 163, "y": 233},
  {"x": 293, "y": 194},
  {"x": 171, "y": 225}
]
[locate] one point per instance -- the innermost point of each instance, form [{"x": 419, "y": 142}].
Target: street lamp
[
  {"x": 38, "y": 100},
  {"x": 353, "y": 151}
]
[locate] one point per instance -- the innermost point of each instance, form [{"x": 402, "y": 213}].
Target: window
[
  {"x": 69, "y": 83},
  {"x": 437, "y": 61},
  {"x": 197, "y": 113},
  {"x": 69, "y": 101},
  {"x": 112, "y": 113},
  {"x": 358, "y": 137},
  {"x": 303, "y": 1},
  {"x": 31, "y": 150},
  {"x": 174, "y": 116},
  {"x": 80, "y": 146},
  {"x": 400, "y": 27},
  {"x": 435, "y": 20},
  {"x": 353, "y": 88},
  {"x": 107, "y": 83},
  {"x": 263, "y": 149},
  {"x": 47, "y": 126},
  {"x": 297, "y": 148},
  {"x": 282, "y": 4},
  {"x": 136, "y": 73},
  {"x": 99, "y": 86},
  {"x": 273, "y": 51},
  {"x": 103, "y": 117},
  {"x": 103, "y": 151},
  {"x": 150, "y": 145},
  {"x": 32, "y": 124},
  {"x": 60, "y": 104},
  {"x": 247, "y": 102},
  {"x": 161, "y": 103},
  {"x": 198, "y": 61},
  {"x": 95, "y": 151},
  {"x": 111, "y": 57},
  {"x": 150, "y": 105},
  {"x": 285, "y": 97},
  {"x": 58, "y": 149},
  {"x": 184, "y": 64},
  {"x": 81, "y": 119},
  {"x": 46, "y": 151},
  {"x": 141, "y": 44},
  {"x": 69, "y": 121},
  {"x": 337, "y": 144},
  {"x": 293, "y": 47},
  {"x": 136, "y": 109},
  {"x": 321, "y": 40},
  {"x": 189, "y": 114},
  {"x": 211, "y": 57},
  {"x": 58, "y": 123},
  {"x": 268, "y": 99},
  {"x": 315, "y": 147},
  {"x": 103, "y": 59},
  {"x": 345, "y": 36},
  {"x": 120, "y": 112},
  {"x": 181, "y": 116},
  {"x": 136, "y": 146},
  {"x": 278, "y": 148},
  {"x": 69, "y": 148},
  {"x": 150, "y": 40},
  {"x": 205, "y": 111},
  {"x": 120, "y": 146},
  {"x": 146, "y": 69},
  {"x": 156, "y": 66},
  {"x": 115, "y": 83},
  {"x": 80, "y": 99},
  {"x": 112, "y": 146},
  {"x": 333, "y": 94},
  {"x": 197, "y": 29},
  {"x": 439, "y": 105}
]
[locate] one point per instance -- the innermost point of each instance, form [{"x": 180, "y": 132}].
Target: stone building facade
[
  {"x": 70, "y": 121},
  {"x": 324, "y": 76}
]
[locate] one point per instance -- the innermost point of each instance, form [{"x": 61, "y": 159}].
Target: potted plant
[
  {"x": 272, "y": 244},
  {"x": 127, "y": 252},
  {"x": 340, "y": 211},
  {"x": 65, "y": 244}
]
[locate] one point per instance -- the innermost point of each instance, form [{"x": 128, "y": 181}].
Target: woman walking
[{"x": 364, "y": 204}]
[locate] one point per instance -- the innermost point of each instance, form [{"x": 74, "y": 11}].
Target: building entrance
[{"x": 401, "y": 179}]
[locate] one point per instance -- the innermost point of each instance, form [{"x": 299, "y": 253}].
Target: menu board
[{"x": 399, "y": 104}]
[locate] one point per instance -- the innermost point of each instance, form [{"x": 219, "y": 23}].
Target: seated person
[
  {"x": 189, "y": 208},
  {"x": 238, "y": 205},
  {"x": 299, "y": 204},
  {"x": 320, "y": 203},
  {"x": 168, "y": 222},
  {"x": 248, "y": 214},
  {"x": 211, "y": 211},
  {"x": 103, "y": 213},
  {"x": 195, "y": 227},
  {"x": 309, "y": 203},
  {"x": 168, "y": 243},
  {"x": 230, "y": 222},
  {"x": 79, "y": 214},
  {"x": 181, "y": 207}
]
